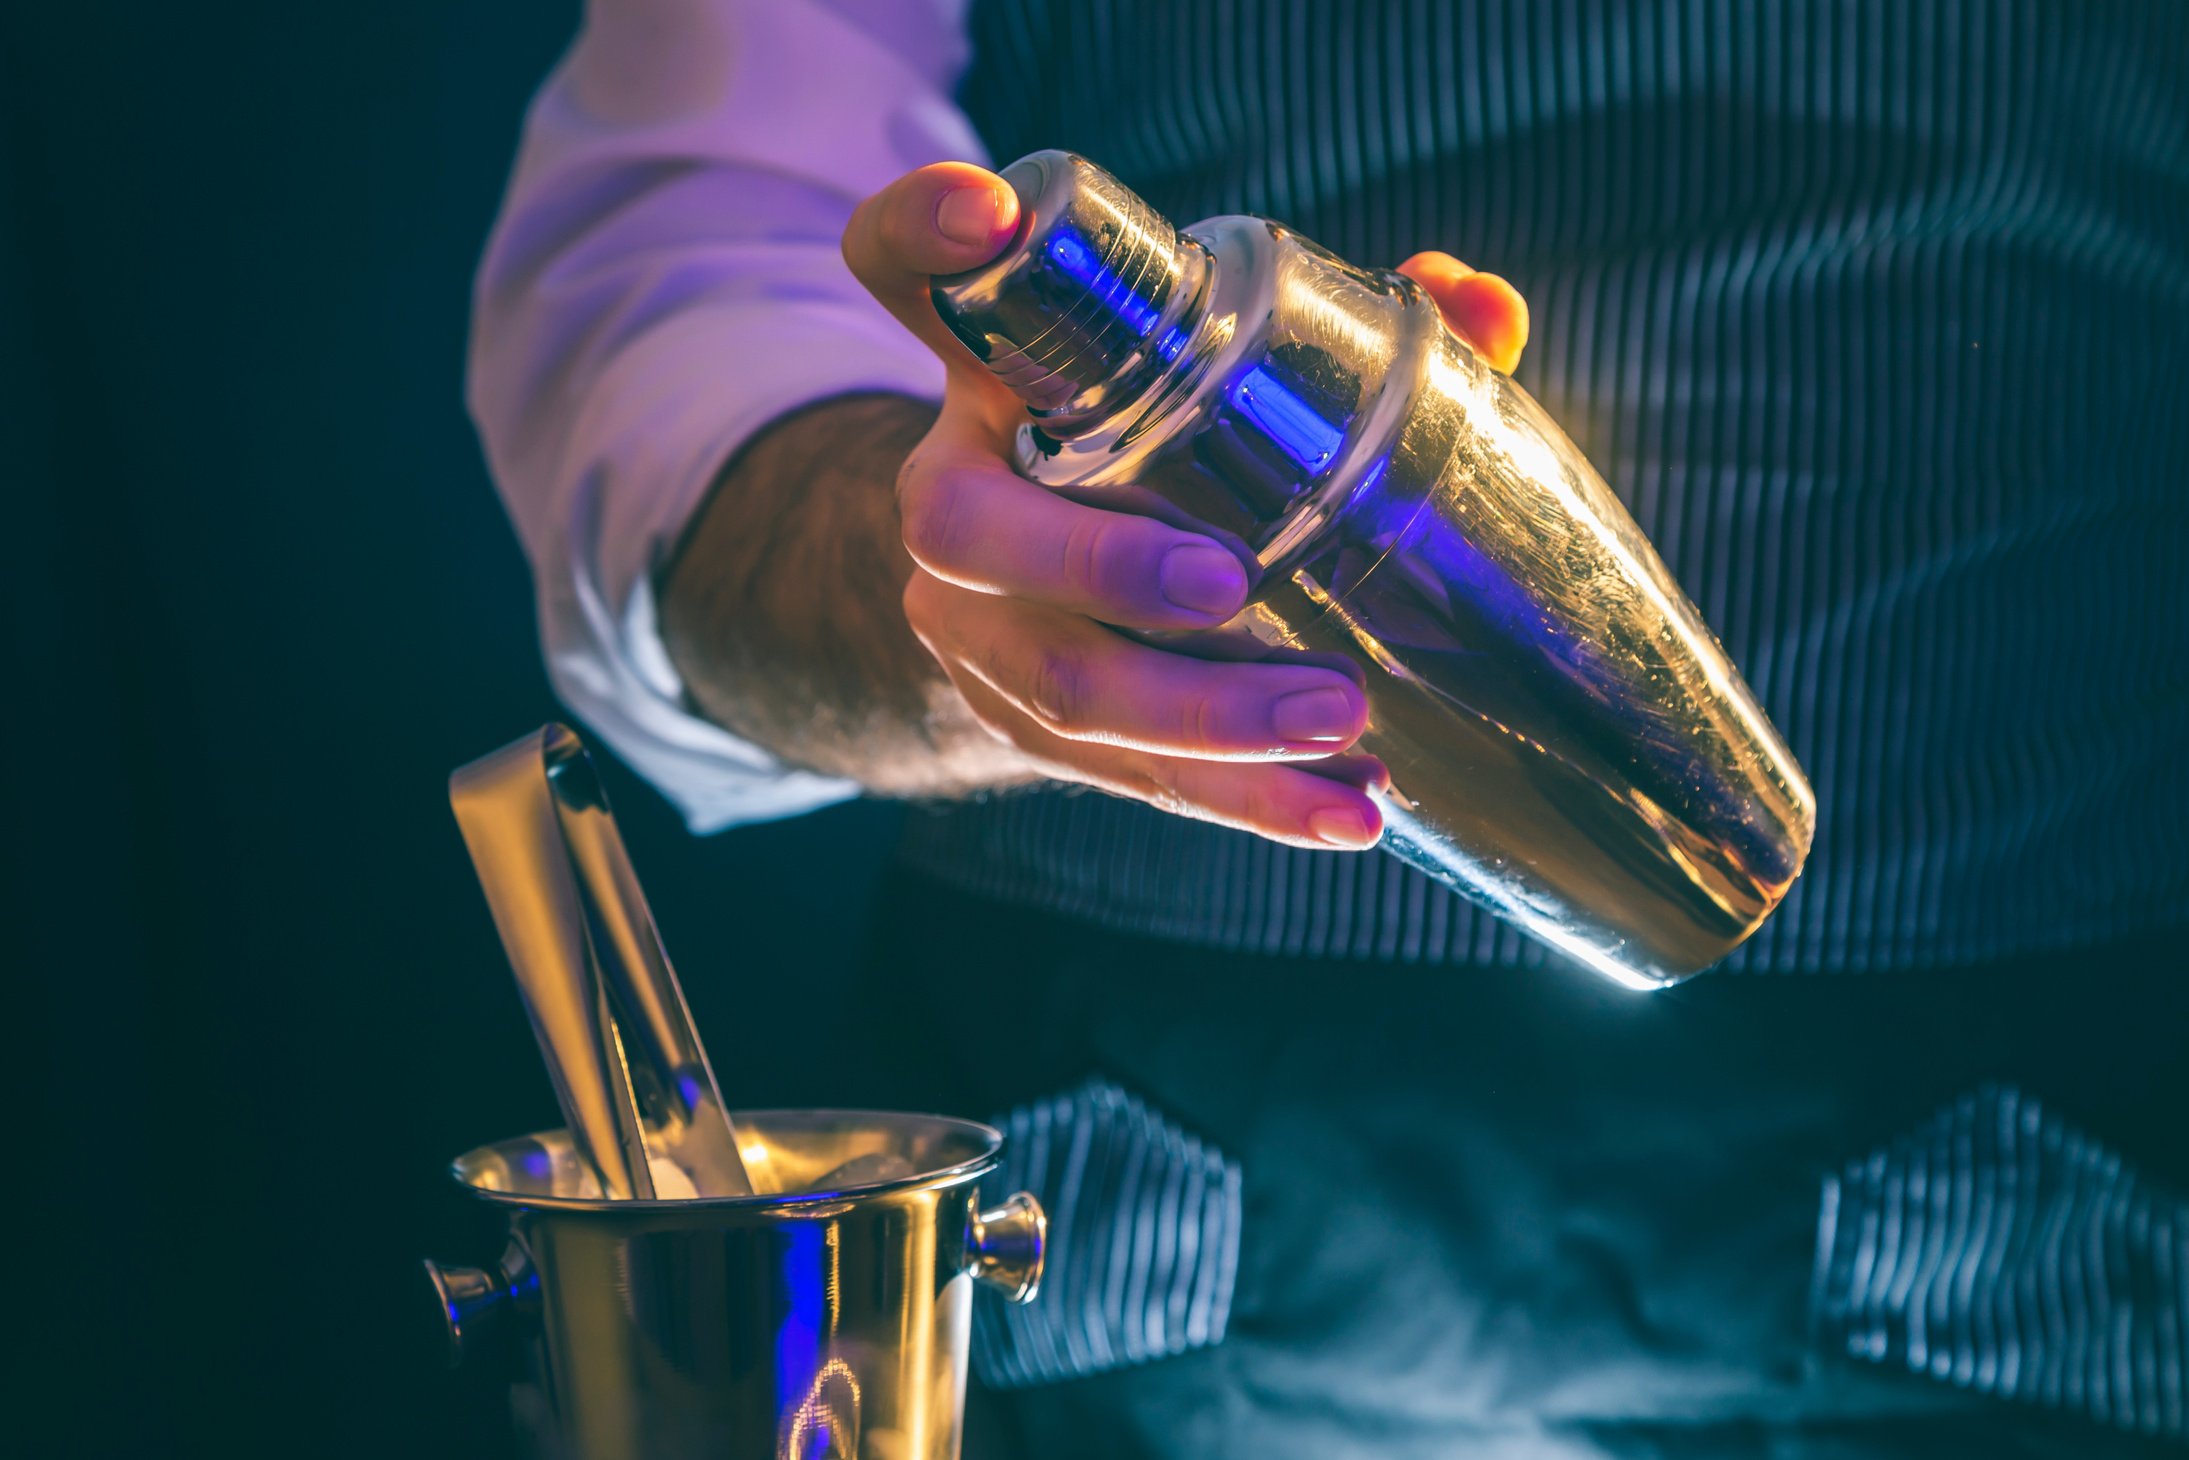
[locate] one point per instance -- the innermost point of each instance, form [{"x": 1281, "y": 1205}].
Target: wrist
[{"x": 782, "y": 609}]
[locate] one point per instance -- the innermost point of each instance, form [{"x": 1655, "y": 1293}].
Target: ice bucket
[{"x": 827, "y": 1320}]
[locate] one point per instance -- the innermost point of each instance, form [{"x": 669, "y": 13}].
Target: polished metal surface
[
  {"x": 823, "y": 1320},
  {"x": 1031, "y": 314},
  {"x": 475, "y": 1301},
  {"x": 1568, "y": 743},
  {"x": 793, "y": 1284},
  {"x": 1008, "y": 1244},
  {"x": 644, "y": 1112}
]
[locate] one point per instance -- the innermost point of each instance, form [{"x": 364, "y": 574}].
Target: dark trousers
[{"x": 1497, "y": 1212}]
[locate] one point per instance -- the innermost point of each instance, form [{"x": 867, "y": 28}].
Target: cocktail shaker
[{"x": 1568, "y": 743}]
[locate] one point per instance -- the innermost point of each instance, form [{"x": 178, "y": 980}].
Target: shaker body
[{"x": 1568, "y": 743}]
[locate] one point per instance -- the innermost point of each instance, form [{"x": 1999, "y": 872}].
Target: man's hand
[{"x": 1016, "y": 588}]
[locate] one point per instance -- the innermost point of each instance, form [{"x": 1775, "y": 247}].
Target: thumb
[{"x": 939, "y": 219}]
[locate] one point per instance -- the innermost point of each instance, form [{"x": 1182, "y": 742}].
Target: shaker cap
[{"x": 1090, "y": 286}]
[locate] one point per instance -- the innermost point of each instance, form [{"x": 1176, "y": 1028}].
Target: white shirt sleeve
[{"x": 663, "y": 281}]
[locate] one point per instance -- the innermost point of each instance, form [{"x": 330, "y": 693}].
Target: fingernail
[
  {"x": 1341, "y": 826},
  {"x": 1203, "y": 580},
  {"x": 968, "y": 215},
  {"x": 1323, "y": 716}
]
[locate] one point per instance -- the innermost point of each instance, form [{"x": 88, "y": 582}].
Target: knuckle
[
  {"x": 1162, "y": 788},
  {"x": 1076, "y": 565},
  {"x": 871, "y": 237},
  {"x": 1260, "y": 808},
  {"x": 1097, "y": 554},
  {"x": 900, "y": 233},
  {"x": 1201, "y": 722},
  {"x": 931, "y": 516},
  {"x": 1056, "y": 689}
]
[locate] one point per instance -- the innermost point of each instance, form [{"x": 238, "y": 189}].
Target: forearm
[{"x": 782, "y": 610}]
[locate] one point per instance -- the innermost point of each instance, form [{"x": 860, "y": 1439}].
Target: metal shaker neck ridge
[
  {"x": 1117, "y": 329},
  {"x": 1090, "y": 300}
]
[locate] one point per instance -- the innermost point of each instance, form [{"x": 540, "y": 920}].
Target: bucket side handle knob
[
  {"x": 1007, "y": 1244},
  {"x": 474, "y": 1300}
]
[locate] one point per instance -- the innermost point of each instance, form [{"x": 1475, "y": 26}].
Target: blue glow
[
  {"x": 805, "y": 1290},
  {"x": 1463, "y": 573},
  {"x": 1372, "y": 478},
  {"x": 1074, "y": 257},
  {"x": 1171, "y": 343},
  {"x": 1298, "y": 429},
  {"x": 1379, "y": 519},
  {"x": 1482, "y": 583}
]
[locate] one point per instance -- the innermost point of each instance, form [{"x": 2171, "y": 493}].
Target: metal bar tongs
[{"x": 634, "y": 1081}]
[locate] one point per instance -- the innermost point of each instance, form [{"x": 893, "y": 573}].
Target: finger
[
  {"x": 971, "y": 522},
  {"x": 1080, "y": 681},
  {"x": 1355, "y": 768},
  {"x": 1481, "y": 308},
  {"x": 1281, "y": 802},
  {"x": 939, "y": 219}
]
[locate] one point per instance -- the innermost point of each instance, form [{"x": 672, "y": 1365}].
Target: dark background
[{"x": 261, "y": 599}]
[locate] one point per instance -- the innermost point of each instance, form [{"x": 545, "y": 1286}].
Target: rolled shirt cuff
[{"x": 710, "y": 380}]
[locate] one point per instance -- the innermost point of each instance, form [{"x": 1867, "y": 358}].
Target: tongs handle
[{"x": 612, "y": 1024}]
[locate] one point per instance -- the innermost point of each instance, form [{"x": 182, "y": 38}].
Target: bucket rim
[{"x": 760, "y": 1203}]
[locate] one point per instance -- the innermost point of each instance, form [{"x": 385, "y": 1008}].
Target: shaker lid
[{"x": 1091, "y": 285}]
